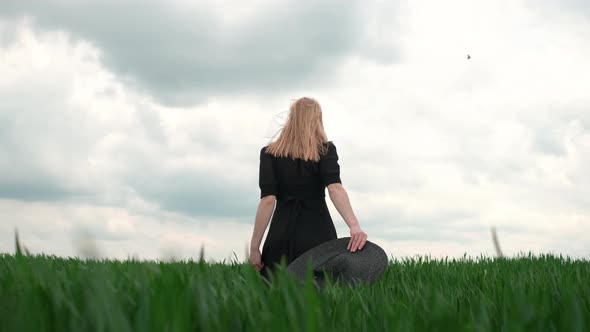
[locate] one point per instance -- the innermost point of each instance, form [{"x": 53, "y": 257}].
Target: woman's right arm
[
  {"x": 330, "y": 173},
  {"x": 339, "y": 197}
]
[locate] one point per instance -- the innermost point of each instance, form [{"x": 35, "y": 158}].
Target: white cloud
[
  {"x": 434, "y": 148},
  {"x": 66, "y": 229}
]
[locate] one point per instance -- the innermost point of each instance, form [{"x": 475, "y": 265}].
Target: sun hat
[{"x": 333, "y": 257}]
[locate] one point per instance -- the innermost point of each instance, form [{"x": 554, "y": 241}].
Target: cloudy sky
[{"x": 136, "y": 126}]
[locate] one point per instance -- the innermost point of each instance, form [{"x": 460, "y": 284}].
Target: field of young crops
[{"x": 527, "y": 293}]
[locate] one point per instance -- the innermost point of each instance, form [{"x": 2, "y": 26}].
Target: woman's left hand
[
  {"x": 358, "y": 238},
  {"x": 256, "y": 260}
]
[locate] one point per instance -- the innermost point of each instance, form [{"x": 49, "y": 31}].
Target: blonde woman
[{"x": 294, "y": 172}]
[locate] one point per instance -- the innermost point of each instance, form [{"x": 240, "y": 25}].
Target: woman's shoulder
[
  {"x": 331, "y": 145},
  {"x": 263, "y": 151},
  {"x": 328, "y": 144},
  {"x": 329, "y": 149}
]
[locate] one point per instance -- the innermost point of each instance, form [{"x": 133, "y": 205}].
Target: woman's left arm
[{"x": 263, "y": 215}]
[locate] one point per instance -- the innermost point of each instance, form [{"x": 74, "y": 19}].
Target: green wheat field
[{"x": 524, "y": 293}]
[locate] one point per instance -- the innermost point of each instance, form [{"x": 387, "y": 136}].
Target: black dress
[{"x": 301, "y": 219}]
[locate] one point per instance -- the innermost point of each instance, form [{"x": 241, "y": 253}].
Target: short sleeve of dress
[
  {"x": 329, "y": 167},
  {"x": 266, "y": 176}
]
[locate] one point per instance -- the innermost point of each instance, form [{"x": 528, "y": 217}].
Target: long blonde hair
[{"x": 303, "y": 134}]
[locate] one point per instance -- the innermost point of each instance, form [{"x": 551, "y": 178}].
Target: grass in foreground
[{"x": 45, "y": 293}]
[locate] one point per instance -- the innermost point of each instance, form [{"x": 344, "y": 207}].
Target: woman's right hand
[
  {"x": 358, "y": 238},
  {"x": 256, "y": 259}
]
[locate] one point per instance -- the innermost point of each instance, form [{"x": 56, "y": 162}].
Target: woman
[{"x": 294, "y": 173}]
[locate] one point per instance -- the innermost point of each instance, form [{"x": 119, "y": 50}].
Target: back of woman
[{"x": 294, "y": 172}]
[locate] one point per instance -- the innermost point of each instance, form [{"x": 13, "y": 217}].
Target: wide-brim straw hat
[{"x": 342, "y": 265}]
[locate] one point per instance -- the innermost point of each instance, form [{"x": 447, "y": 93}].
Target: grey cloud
[
  {"x": 192, "y": 193},
  {"x": 35, "y": 189},
  {"x": 31, "y": 143},
  {"x": 393, "y": 223},
  {"x": 195, "y": 193},
  {"x": 7, "y": 32},
  {"x": 180, "y": 55},
  {"x": 47, "y": 145},
  {"x": 548, "y": 141},
  {"x": 550, "y": 122},
  {"x": 436, "y": 234},
  {"x": 576, "y": 7},
  {"x": 445, "y": 226}
]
